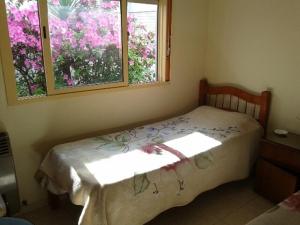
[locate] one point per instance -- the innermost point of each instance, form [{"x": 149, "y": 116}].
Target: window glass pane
[
  {"x": 24, "y": 34},
  {"x": 142, "y": 41},
  {"x": 86, "y": 45}
]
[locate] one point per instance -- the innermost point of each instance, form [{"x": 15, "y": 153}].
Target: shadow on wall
[{"x": 2, "y": 127}]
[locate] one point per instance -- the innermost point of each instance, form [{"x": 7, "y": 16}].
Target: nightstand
[{"x": 278, "y": 167}]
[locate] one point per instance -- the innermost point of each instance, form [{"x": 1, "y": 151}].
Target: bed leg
[{"x": 53, "y": 201}]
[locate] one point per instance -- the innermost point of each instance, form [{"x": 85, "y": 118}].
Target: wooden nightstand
[{"x": 278, "y": 167}]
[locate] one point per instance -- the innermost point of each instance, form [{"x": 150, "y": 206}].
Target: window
[
  {"x": 26, "y": 46},
  {"x": 142, "y": 42},
  {"x": 85, "y": 42},
  {"x": 52, "y": 47}
]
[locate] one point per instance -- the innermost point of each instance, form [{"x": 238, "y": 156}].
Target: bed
[
  {"x": 129, "y": 177},
  {"x": 285, "y": 213}
]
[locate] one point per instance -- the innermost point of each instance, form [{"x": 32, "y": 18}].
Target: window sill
[{"x": 34, "y": 99}]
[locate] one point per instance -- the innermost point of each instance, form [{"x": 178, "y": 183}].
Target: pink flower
[
  {"x": 27, "y": 63},
  {"x": 23, "y": 51},
  {"x": 33, "y": 87},
  {"x": 70, "y": 82},
  {"x": 55, "y": 2},
  {"x": 110, "y": 5}
]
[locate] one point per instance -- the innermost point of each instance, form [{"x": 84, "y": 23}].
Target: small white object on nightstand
[{"x": 281, "y": 132}]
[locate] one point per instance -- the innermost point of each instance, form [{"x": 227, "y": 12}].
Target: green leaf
[
  {"x": 158, "y": 140},
  {"x": 123, "y": 137},
  {"x": 40, "y": 91},
  {"x": 140, "y": 183}
]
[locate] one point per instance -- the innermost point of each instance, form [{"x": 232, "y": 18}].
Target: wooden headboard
[{"x": 237, "y": 100}]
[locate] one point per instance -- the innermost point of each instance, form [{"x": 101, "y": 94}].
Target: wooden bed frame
[{"x": 260, "y": 103}]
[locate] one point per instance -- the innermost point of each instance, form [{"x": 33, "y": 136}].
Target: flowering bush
[
  {"x": 141, "y": 53},
  {"x": 24, "y": 32},
  {"x": 85, "y": 42}
]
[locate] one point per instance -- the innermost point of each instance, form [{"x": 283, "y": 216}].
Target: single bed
[
  {"x": 285, "y": 213},
  {"x": 129, "y": 177}
]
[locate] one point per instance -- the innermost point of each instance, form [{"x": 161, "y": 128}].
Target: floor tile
[{"x": 248, "y": 211}]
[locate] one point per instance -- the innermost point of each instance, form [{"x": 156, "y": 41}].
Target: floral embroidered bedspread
[
  {"x": 285, "y": 213},
  {"x": 129, "y": 177}
]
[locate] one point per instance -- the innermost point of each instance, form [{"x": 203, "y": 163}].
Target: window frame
[{"x": 8, "y": 68}]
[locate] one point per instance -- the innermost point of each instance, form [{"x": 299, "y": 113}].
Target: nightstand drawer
[
  {"x": 281, "y": 155},
  {"x": 273, "y": 182}
]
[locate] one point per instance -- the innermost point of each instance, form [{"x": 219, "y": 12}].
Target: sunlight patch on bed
[
  {"x": 124, "y": 165},
  {"x": 193, "y": 144}
]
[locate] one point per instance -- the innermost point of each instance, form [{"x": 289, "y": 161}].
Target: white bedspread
[{"x": 129, "y": 177}]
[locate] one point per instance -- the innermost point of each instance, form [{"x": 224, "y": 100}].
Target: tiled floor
[{"x": 230, "y": 204}]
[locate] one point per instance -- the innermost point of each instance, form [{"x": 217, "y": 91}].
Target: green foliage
[
  {"x": 141, "y": 56},
  {"x": 88, "y": 67}
]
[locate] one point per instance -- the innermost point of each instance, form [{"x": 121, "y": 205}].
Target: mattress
[
  {"x": 286, "y": 213},
  {"x": 129, "y": 177}
]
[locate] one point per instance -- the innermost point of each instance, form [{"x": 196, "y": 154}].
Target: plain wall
[
  {"x": 35, "y": 127},
  {"x": 256, "y": 44}
]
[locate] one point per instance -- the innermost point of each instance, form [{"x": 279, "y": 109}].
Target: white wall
[
  {"x": 256, "y": 44},
  {"x": 34, "y": 127}
]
